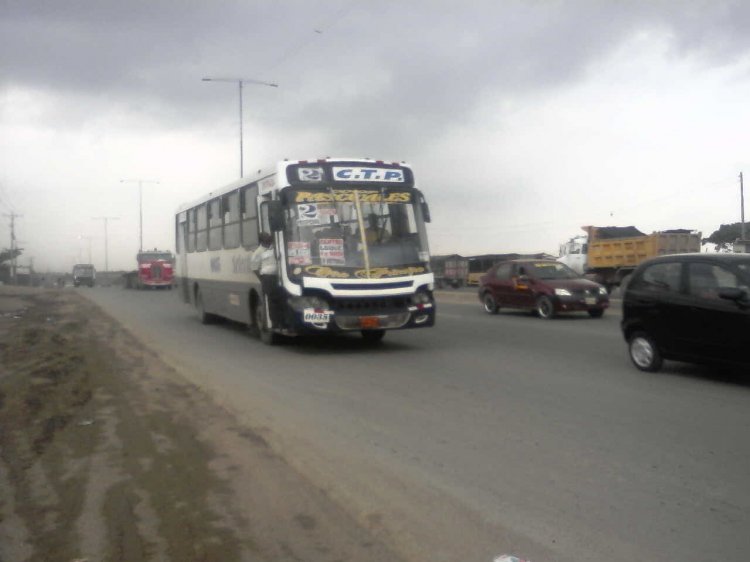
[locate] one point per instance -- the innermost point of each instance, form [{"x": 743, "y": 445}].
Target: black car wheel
[
  {"x": 596, "y": 312},
  {"x": 644, "y": 353},
  {"x": 544, "y": 308},
  {"x": 490, "y": 306}
]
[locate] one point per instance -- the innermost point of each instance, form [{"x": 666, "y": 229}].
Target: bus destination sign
[{"x": 357, "y": 173}]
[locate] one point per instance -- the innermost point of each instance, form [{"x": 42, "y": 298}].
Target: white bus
[{"x": 349, "y": 240}]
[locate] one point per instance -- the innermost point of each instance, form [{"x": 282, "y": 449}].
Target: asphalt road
[{"x": 487, "y": 434}]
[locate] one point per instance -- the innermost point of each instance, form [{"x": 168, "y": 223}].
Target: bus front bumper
[{"x": 318, "y": 321}]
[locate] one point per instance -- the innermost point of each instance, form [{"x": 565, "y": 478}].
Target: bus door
[{"x": 182, "y": 240}]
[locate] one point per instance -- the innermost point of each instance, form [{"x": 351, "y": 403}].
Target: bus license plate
[
  {"x": 369, "y": 322},
  {"x": 315, "y": 317},
  {"x": 590, "y": 300}
]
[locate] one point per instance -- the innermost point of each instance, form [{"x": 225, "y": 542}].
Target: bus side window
[
  {"x": 214, "y": 224},
  {"x": 180, "y": 233},
  {"x": 249, "y": 214},
  {"x": 191, "y": 229},
  {"x": 231, "y": 206},
  {"x": 201, "y": 236}
]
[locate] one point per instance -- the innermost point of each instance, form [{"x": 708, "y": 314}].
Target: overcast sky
[{"x": 523, "y": 120}]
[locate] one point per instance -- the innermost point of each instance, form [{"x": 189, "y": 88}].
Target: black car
[{"x": 689, "y": 307}]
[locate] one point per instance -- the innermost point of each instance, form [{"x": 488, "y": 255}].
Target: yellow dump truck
[{"x": 608, "y": 254}]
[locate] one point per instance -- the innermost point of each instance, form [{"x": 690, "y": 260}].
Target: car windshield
[{"x": 551, "y": 270}]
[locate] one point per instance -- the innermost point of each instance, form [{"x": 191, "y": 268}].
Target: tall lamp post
[
  {"x": 140, "y": 208},
  {"x": 742, "y": 209},
  {"x": 239, "y": 82},
  {"x": 106, "y": 239}
]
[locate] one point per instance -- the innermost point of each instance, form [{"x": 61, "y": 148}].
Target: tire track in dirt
[{"x": 106, "y": 453}]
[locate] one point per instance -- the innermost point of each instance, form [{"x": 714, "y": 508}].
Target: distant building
[{"x": 742, "y": 246}]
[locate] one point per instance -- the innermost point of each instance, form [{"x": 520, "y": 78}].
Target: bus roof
[{"x": 279, "y": 169}]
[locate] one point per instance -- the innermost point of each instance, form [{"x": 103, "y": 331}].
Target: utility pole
[
  {"x": 13, "y": 246},
  {"x": 742, "y": 210},
  {"x": 140, "y": 208},
  {"x": 106, "y": 239}
]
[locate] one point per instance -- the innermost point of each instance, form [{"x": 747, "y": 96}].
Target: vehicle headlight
[
  {"x": 563, "y": 293},
  {"x": 602, "y": 290},
  {"x": 420, "y": 297},
  {"x": 299, "y": 304}
]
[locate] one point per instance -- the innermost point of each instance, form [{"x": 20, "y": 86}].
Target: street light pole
[
  {"x": 241, "y": 81},
  {"x": 106, "y": 240},
  {"x": 742, "y": 209},
  {"x": 140, "y": 208}
]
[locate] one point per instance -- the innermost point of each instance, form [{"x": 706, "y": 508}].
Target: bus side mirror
[
  {"x": 275, "y": 215},
  {"x": 425, "y": 209},
  {"x": 426, "y": 212}
]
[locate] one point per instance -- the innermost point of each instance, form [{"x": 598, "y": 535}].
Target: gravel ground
[{"x": 108, "y": 454}]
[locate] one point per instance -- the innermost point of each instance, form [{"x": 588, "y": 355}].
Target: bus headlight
[
  {"x": 420, "y": 297},
  {"x": 298, "y": 304}
]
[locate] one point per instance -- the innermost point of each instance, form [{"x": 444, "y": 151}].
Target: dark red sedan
[{"x": 545, "y": 286}]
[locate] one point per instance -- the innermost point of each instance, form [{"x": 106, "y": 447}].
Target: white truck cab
[{"x": 574, "y": 253}]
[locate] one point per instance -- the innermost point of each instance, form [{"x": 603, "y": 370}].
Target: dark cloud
[
  {"x": 360, "y": 69},
  {"x": 439, "y": 57}
]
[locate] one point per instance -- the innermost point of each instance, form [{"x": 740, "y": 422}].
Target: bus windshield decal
[
  {"x": 375, "y": 273},
  {"x": 347, "y": 196},
  {"x": 355, "y": 173}
]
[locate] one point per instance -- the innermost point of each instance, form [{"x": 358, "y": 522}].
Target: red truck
[{"x": 155, "y": 270}]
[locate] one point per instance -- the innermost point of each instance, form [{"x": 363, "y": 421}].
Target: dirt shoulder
[{"x": 108, "y": 454}]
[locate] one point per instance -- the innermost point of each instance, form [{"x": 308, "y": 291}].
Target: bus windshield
[{"x": 355, "y": 228}]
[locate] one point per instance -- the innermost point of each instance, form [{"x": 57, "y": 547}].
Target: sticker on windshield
[
  {"x": 298, "y": 253},
  {"x": 331, "y": 251},
  {"x": 308, "y": 214},
  {"x": 326, "y": 210},
  {"x": 348, "y": 196}
]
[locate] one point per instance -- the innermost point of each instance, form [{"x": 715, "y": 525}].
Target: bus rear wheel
[{"x": 200, "y": 307}]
